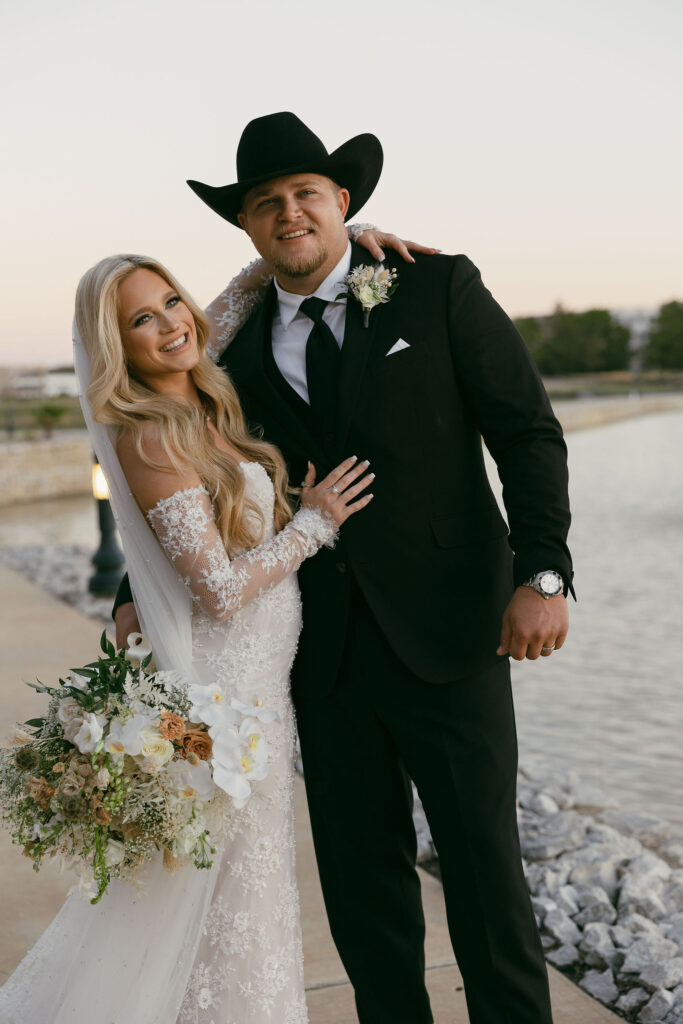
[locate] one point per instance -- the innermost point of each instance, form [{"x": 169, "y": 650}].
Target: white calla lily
[{"x": 138, "y": 647}]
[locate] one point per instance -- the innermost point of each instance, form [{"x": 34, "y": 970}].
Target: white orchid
[
  {"x": 128, "y": 737},
  {"x": 239, "y": 757},
  {"x": 192, "y": 781},
  {"x": 210, "y": 705},
  {"x": 254, "y": 710}
]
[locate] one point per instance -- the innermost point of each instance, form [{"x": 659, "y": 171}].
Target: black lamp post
[{"x": 108, "y": 559}]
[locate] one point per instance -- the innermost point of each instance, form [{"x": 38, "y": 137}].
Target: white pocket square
[{"x": 398, "y": 347}]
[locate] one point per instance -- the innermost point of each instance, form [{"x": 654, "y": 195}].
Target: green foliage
[
  {"x": 590, "y": 342},
  {"x": 48, "y": 415},
  {"x": 665, "y": 347}
]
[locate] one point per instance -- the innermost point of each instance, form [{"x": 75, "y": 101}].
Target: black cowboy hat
[{"x": 280, "y": 144}]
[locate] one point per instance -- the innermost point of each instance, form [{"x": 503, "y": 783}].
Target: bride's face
[{"x": 157, "y": 329}]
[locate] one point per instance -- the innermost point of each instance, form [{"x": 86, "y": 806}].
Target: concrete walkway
[{"x": 40, "y": 637}]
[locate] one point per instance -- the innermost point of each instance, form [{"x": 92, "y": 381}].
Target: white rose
[
  {"x": 89, "y": 734},
  {"x": 69, "y": 710},
  {"x": 366, "y": 297},
  {"x": 155, "y": 752}
]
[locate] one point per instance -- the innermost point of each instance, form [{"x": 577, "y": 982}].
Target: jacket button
[{"x": 341, "y": 566}]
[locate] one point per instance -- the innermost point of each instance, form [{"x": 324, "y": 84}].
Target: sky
[{"x": 541, "y": 138}]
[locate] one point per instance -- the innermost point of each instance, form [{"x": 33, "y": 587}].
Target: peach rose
[
  {"x": 196, "y": 741},
  {"x": 171, "y": 727}
]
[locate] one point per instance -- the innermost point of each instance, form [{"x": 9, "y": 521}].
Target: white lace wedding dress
[{"x": 222, "y": 949}]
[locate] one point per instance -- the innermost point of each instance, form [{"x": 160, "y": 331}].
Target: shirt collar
[{"x": 289, "y": 303}]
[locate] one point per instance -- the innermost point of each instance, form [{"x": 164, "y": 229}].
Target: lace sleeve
[
  {"x": 185, "y": 526},
  {"x": 234, "y": 306}
]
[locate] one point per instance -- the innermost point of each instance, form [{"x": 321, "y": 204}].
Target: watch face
[{"x": 551, "y": 583}]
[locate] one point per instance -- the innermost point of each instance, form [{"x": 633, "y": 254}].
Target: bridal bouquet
[{"x": 129, "y": 761}]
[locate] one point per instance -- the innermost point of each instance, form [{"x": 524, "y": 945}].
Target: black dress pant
[{"x": 380, "y": 727}]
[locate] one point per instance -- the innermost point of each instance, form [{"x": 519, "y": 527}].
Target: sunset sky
[{"x": 542, "y": 139}]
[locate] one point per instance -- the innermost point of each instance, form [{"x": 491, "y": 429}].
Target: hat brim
[{"x": 355, "y": 166}]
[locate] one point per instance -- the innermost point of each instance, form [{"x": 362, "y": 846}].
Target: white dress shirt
[{"x": 292, "y": 328}]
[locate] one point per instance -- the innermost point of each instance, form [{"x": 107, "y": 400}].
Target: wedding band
[
  {"x": 334, "y": 489},
  {"x": 548, "y": 648},
  {"x": 304, "y": 484}
]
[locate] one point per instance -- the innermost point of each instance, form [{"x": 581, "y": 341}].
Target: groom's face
[{"x": 297, "y": 224}]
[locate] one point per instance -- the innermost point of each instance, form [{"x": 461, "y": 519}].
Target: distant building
[{"x": 33, "y": 382}]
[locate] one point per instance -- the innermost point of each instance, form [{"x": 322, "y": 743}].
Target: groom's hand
[
  {"x": 126, "y": 623},
  {"x": 533, "y": 626}
]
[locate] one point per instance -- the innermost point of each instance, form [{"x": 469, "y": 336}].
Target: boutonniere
[{"x": 371, "y": 286}]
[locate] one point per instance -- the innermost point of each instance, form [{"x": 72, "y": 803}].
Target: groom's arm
[
  {"x": 509, "y": 404},
  {"x": 123, "y": 613}
]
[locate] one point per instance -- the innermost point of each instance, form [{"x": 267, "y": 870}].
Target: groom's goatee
[{"x": 300, "y": 266}]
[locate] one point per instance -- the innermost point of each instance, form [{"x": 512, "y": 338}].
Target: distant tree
[
  {"x": 48, "y": 415},
  {"x": 565, "y": 342},
  {"x": 664, "y": 350}
]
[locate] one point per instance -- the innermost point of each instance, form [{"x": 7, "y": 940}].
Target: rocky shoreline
[
  {"x": 607, "y": 888},
  {"x": 606, "y": 884}
]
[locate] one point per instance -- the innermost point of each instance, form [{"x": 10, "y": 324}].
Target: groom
[{"x": 402, "y": 671}]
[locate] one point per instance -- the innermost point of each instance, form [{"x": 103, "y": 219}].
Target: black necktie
[{"x": 322, "y": 362}]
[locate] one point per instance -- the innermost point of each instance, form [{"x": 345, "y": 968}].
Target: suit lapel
[
  {"x": 248, "y": 360},
  {"x": 358, "y": 341}
]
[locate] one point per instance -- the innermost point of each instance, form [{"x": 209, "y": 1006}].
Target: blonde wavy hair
[{"x": 118, "y": 397}]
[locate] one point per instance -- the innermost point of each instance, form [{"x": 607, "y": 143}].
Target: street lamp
[{"x": 108, "y": 559}]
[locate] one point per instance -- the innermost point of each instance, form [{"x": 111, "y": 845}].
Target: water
[{"x": 609, "y": 703}]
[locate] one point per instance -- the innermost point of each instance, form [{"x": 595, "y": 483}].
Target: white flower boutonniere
[{"x": 371, "y": 286}]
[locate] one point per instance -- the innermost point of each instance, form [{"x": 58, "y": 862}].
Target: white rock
[
  {"x": 642, "y": 894},
  {"x": 600, "y": 985},
  {"x": 632, "y": 1000},
  {"x": 542, "y": 905},
  {"x": 602, "y": 872},
  {"x": 542, "y": 880},
  {"x": 673, "y": 896},
  {"x": 597, "y": 946},
  {"x": 595, "y": 905},
  {"x": 648, "y": 864},
  {"x": 562, "y": 928},
  {"x": 673, "y": 853},
  {"x": 567, "y": 899},
  {"x": 621, "y": 937},
  {"x": 647, "y": 951},
  {"x": 543, "y": 803},
  {"x": 658, "y": 1007},
  {"x": 648, "y": 829},
  {"x": 640, "y": 925},
  {"x": 563, "y": 956},
  {"x": 666, "y": 974},
  {"x": 552, "y": 835},
  {"x": 674, "y": 929}
]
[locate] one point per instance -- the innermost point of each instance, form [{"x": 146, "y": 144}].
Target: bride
[{"x": 212, "y": 550}]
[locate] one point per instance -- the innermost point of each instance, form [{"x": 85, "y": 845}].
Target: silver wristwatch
[{"x": 547, "y": 583}]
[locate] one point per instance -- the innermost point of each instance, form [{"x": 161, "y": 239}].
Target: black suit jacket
[{"x": 431, "y": 553}]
